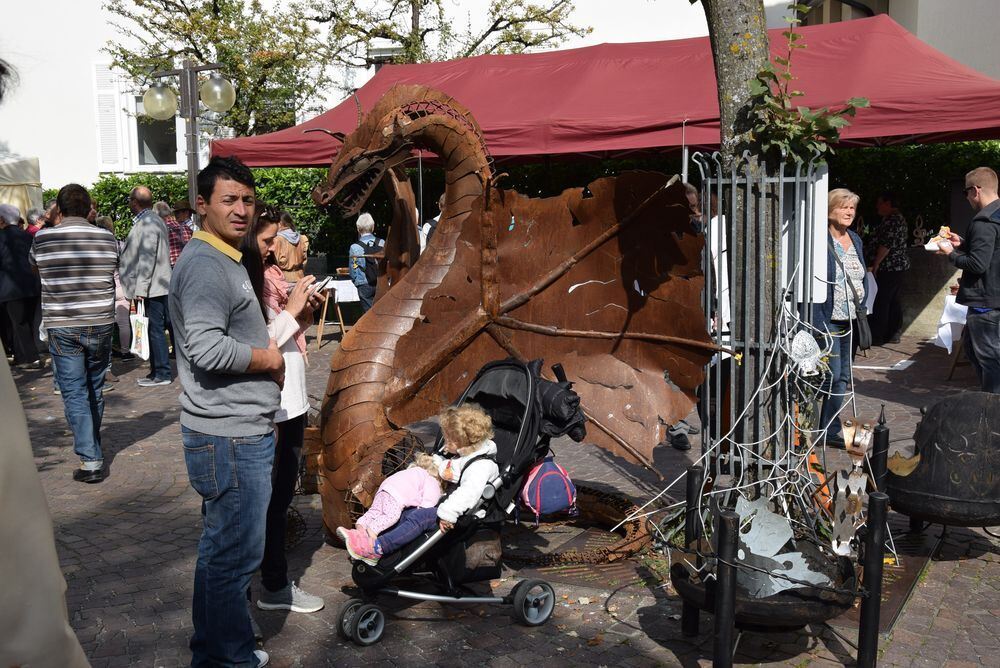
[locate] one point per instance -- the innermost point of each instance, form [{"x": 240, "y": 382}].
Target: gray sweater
[
  {"x": 217, "y": 320},
  {"x": 145, "y": 264}
]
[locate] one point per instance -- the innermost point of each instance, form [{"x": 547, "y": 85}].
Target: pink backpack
[{"x": 548, "y": 489}]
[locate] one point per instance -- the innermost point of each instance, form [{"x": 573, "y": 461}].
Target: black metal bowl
[{"x": 787, "y": 610}]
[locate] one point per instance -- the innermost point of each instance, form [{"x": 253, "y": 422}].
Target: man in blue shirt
[{"x": 364, "y": 270}]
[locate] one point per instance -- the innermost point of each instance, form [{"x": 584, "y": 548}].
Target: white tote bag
[{"x": 140, "y": 332}]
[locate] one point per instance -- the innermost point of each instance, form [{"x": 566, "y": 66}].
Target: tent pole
[
  {"x": 684, "y": 152},
  {"x": 420, "y": 189}
]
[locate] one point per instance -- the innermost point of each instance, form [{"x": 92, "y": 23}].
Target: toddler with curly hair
[{"x": 407, "y": 499}]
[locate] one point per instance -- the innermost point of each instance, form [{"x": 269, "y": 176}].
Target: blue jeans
[
  {"x": 159, "y": 354},
  {"x": 982, "y": 347},
  {"x": 233, "y": 477},
  {"x": 412, "y": 523},
  {"x": 366, "y": 295},
  {"x": 80, "y": 358},
  {"x": 845, "y": 346}
]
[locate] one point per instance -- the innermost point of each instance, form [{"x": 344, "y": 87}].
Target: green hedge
[
  {"x": 288, "y": 189},
  {"x": 919, "y": 175}
]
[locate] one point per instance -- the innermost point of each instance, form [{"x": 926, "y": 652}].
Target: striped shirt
[{"x": 76, "y": 263}]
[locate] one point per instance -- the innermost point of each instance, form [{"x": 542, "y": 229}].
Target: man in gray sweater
[
  {"x": 145, "y": 275},
  {"x": 231, "y": 372}
]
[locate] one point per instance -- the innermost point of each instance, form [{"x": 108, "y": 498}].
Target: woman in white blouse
[{"x": 288, "y": 314}]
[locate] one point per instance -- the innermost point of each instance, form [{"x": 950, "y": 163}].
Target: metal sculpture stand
[
  {"x": 692, "y": 533},
  {"x": 728, "y": 535},
  {"x": 871, "y": 604}
]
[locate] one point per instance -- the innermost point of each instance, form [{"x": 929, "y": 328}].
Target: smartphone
[{"x": 321, "y": 284}]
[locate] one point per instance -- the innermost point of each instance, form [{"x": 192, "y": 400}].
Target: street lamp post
[{"x": 161, "y": 103}]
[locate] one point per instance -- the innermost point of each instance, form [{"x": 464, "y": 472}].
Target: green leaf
[
  {"x": 757, "y": 88},
  {"x": 860, "y": 102}
]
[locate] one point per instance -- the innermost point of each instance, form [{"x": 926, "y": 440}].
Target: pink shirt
[{"x": 413, "y": 488}]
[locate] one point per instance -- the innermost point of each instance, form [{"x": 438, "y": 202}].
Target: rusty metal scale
[{"x": 606, "y": 280}]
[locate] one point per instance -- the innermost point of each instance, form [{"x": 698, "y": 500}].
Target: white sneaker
[
  {"x": 290, "y": 598},
  {"x": 262, "y": 657}
]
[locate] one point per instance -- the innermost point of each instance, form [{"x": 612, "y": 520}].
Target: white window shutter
[{"x": 110, "y": 151}]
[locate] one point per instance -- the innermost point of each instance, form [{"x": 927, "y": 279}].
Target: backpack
[
  {"x": 371, "y": 263},
  {"x": 548, "y": 489}
]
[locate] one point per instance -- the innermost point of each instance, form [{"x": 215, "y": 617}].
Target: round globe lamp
[
  {"x": 217, "y": 93},
  {"x": 159, "y": 102}
]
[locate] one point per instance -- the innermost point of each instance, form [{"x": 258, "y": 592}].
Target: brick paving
[{"x": 127, "y": 549}]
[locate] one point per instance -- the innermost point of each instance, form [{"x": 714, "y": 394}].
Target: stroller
[{"x": 527, "y": 411}]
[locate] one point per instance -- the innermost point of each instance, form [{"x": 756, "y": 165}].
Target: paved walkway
[{"x": 127, "y": 549}]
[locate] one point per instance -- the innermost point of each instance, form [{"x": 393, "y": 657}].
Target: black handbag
[{"x": 860, "y": 312}]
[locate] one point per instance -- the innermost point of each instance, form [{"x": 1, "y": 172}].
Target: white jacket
[
  {"x": 294, "y": 401},
  {"x": 468, "y": 493}
]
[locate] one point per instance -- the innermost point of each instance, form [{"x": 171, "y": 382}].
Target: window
[{"x": 156, "y": 141}]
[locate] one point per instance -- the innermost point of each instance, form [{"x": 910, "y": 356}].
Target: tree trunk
[{"x": 738, "y": 33}]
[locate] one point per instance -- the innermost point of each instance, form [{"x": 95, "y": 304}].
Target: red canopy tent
[{"x": 613, "y": 99}]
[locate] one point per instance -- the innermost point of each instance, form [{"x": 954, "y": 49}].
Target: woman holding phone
[{"x": 288, "y": 314}]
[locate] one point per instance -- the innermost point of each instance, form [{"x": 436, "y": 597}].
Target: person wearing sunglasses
[{"x": 976, "y": 255}]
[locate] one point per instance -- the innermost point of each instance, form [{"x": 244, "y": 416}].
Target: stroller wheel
[
  {"x": 534, "y": 601},
  {"x": 345, "y": 618},
  {"x": 368, "y": 625}
]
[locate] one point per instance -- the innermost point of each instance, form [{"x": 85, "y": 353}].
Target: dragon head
[{"x": 367, "y": 154}]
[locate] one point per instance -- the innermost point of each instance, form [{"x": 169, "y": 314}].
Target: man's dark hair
[
  {"x": 230, "y": 169},
  {"x": 889, "y": 198},
  {"x": 73, "y": 200}
]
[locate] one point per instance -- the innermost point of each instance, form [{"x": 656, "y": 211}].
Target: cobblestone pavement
[{"x": 127, "y": 549}]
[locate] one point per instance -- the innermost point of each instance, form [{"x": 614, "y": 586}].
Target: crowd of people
[{"x": 228, "y": 292}]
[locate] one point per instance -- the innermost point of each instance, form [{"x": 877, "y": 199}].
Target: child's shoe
[{"x": 360, "y": 546}]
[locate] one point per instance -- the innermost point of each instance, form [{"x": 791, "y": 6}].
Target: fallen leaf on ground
[{"x": 596, "y": 640}]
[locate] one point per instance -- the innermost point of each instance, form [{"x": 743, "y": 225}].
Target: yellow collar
[{"x": 219, "y": 245}]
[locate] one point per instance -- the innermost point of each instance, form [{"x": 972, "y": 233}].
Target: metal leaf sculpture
[{"x": 605, "y": 279}]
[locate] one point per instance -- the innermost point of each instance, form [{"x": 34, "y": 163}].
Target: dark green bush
[{"x": 919, "y": 175}]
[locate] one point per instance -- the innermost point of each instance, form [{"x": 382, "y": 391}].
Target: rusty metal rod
[{"x": 549, "y": 330}]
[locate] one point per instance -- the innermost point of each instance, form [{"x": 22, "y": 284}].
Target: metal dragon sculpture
[{"x": 606, "y": 279}]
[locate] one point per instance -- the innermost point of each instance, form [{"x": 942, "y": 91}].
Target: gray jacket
[
  {"x": 217, "y": 320},
  {"x": 145, "y": 261}
]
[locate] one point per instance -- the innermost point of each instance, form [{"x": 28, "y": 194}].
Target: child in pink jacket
[{"x": 418, "y": 486}]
